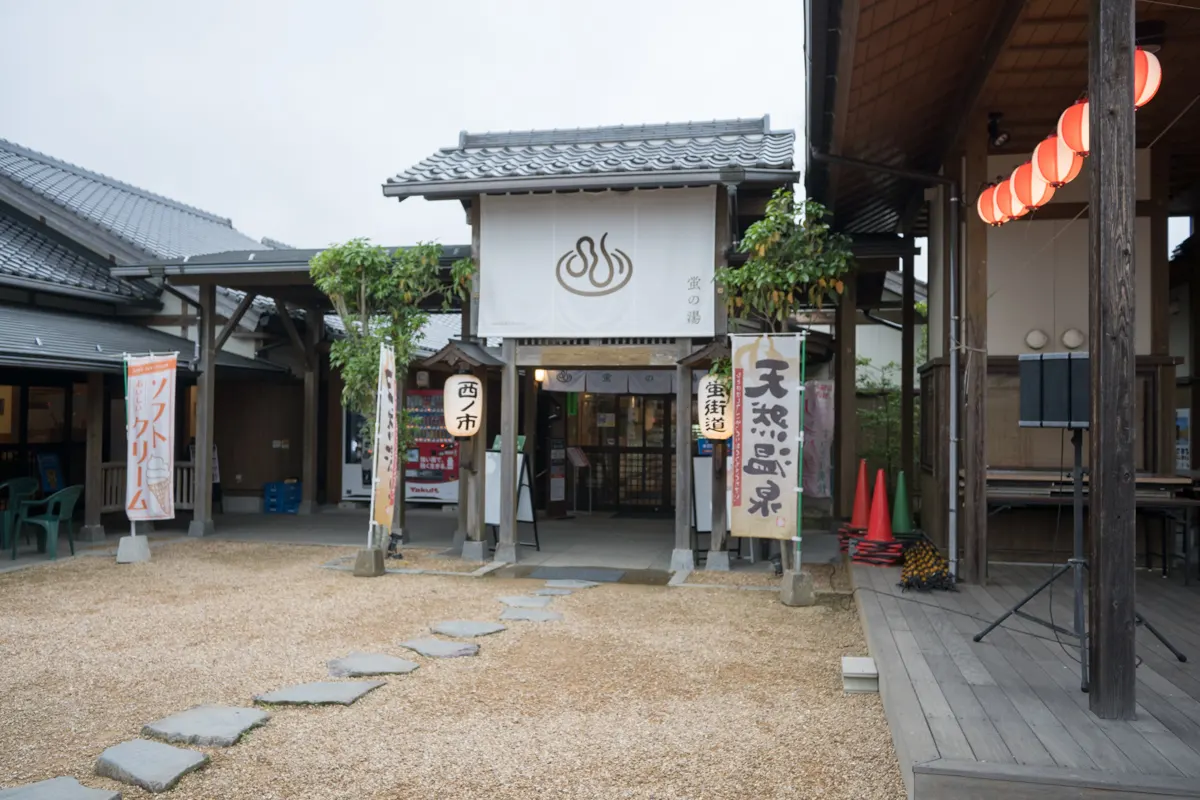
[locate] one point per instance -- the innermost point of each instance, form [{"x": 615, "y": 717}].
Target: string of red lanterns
[{"x": 1058, "y": 159}]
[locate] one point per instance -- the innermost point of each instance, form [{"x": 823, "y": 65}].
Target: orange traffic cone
[
  {"x": 879, "y": 529},
  {"x": 859, "y": 519}
]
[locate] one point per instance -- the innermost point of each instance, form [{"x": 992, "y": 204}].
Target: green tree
[{"x": 381, "y": 297}]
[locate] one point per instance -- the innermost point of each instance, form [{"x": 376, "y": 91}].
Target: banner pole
[{"x": 800, "y": 456}]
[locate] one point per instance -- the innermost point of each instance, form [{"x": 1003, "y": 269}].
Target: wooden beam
[
  {"x": 285, "y": 319},
  {"x": 908, "y": 369},
  {"x": 1113, "y": 692},
  {"x": 974, "y": 520},
  {"x": 682, "y": 558},
  {"x": 529, "y": 418},
  {"x": 93, "y": 492},
  {"x": 1160, "y": 305},
  {"x": 202, "y": 522},
  {"x": 506, "y": 548},
  {"x": 1058, "y": 211},
  {"x": 312, "y": 402},
  {"x": 845, "y": 418},
  {"x": 231, "y": 325},
  {"x": 598, "y": 356},
  {"x": 847, "y": 43}
]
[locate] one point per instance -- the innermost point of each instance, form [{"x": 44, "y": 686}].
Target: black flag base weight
[{"x": 1077, "y": 565}]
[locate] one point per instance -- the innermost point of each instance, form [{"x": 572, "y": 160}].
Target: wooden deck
[{"x": 1005, "y": 718}]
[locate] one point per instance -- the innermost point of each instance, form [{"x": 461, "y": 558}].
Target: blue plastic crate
[{"x": 281, "y": 498}]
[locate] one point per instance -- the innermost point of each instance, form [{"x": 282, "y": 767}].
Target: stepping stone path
[
  {"x": 553, "y": 592},
  {"x": 525, "y": 602},
  {"x": 154, "y": 766},
  {"x": 466, "y": 629},
  {"x": 570, "y": 583},
  {"x": 531, "y": 615},
  {"x": 207, "y": 726},
  {"x": 357, "y": 665},
  {"x": 57, "y": 789},
  {"x": 440, "y": 648},
  {"x": 320, "y": 693}
]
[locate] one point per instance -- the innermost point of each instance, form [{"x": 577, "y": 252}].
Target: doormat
[
  {"x": 644, "y": 513},
  {"x": 597, "y": 574}
]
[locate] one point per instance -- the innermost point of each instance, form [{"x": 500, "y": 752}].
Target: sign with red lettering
[{"x": 150, "y": 411}]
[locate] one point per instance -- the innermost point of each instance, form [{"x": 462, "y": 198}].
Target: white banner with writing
[
  {"x": 150, "y": 411},
  {"x": 387, "y": 442},
  {"x": 598, "y": 264},
  {"x": 766, "y": 452}
]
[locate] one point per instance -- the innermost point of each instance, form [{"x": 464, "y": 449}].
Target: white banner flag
[
  {"x": 565, "y": 380},
  {"x": 150, "y": 411},
  {"x": 818, "y": 439},
  {"x": 651, "y": 382},
  {"x": 387, "y": 442},
  {"x": 766, "y": 452},
  {"x": 607, "y": 381}
]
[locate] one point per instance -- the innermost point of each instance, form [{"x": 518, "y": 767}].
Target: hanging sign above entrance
[{"x": 598, "y": 264}]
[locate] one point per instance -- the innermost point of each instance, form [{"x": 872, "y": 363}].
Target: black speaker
[{"x": 1055, "y": 390}]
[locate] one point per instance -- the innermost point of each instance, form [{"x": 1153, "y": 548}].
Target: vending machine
[{"x": 431, "y": 472}]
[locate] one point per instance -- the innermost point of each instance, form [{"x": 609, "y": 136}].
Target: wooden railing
[{"x": 112, "y": 483}]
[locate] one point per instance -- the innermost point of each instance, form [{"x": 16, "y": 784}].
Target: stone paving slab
[
  {"x": 570, "y": 583},
  {"x": 466, "y": 629},
  {"x": 525, "y": 602},
  {"x": 553, "y": 592},
  {"x": 154, "y": 766},
  {"x": 531, "y": 615},
  {"x": 440, "y": 648},
  {"x": 207, "y": 726},
  {"x": 357, "y": 665},
  {"x": 320, "y": 693},
  {"x": 57, "y": 789},
  {"x": 589, "y": 574}
]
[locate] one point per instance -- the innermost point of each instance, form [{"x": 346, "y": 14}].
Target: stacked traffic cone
[
  {"x": 902, "y": 524},
  {"x": 880, "y": 547},
  {"x": 859, "y": 519}
]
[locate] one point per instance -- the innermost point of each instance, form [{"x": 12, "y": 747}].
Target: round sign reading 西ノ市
[{"x": 462, "y": 405}]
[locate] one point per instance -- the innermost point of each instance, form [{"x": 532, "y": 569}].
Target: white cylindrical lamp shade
[
  {"x": 715, "y": 408},
  {"x": 462, "y": 405}
]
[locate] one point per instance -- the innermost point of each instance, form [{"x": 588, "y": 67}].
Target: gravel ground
[
  {"x": 826, "y": 577},
  {"x": 641, "y": 692}
]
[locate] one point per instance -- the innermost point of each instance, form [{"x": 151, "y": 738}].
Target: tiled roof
[
  {"x": 156, "y": 225},
  {"x": 666, "y": 148},
  {"x": 30, "y": 255}
]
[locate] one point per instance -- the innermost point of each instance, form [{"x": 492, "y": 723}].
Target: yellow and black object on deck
[{"x": 925, "y": 569}]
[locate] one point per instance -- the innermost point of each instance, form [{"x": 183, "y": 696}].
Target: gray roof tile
[
  {"x": 157, "y": 225},
  {"x": 719, "y": 144},
  {"x": 28, "y": 254}
]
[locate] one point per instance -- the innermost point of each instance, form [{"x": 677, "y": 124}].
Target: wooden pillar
[
  {"x": 972, "y": 529},
  {"x": 93, "y": 492},
  {"x": 1160, "y": 306},
  {"x": 718, "y": 553},
  {"x": 682, "y": 558},
  {"x": 312, "y": 402},
  {"x": 845, "y": 417},
  {"x": 475, "y": 457},
  {"x": 1193, "y": 300},
  {"x": 1113, "y": 692},
  {"x": 506, "y": 548},
  {"x": 470, "y": 507},
  {"x": 908, "y": 367},
  {"x": 529, "y": 426},
  {"x": 202, "y": 522}
]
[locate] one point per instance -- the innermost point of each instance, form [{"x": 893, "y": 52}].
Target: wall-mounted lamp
[
  {"x": 539, "y": 375},
  {"x": 1072, "y": 338},
  {"x": 1036, "y": 339},
  {"x": 997, "y": 137}
]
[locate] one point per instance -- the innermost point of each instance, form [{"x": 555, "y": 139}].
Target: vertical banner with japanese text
[
  {"x": 150, "y": 410},
  {"x": 766, "y": 452},
  {"x": 387, "y": 442}
]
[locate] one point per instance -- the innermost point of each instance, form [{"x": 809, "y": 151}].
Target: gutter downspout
[{"x": 954, "y": 201}]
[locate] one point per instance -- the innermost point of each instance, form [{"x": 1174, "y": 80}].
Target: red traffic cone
[
  {"x": 859, "y": 519},
  {"x": 880, "y": 527}
]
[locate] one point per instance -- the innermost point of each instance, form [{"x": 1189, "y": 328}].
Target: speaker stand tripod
[{"x": 1076, "y": 565}]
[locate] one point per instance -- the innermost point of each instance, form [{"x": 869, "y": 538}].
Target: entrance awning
[{"x": 43, "y": 339}]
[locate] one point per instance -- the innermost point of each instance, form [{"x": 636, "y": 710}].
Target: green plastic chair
[
  {"x": 19, "y": 490},
  {"x": 60, "y": 508}
]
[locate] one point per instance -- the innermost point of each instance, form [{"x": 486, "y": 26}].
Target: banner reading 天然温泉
[
  {"x": 387, "y": 442},
  {"x": 767, "y": 400},
  {"x": 150, "y": 412}
]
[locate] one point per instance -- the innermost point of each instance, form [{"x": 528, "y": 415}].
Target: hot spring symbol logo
[{"x": 601, "y": 278}]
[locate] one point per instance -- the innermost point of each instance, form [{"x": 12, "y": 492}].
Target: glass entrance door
[{"x": 630, "y": 441}]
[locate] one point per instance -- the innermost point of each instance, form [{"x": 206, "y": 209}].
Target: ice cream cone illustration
[{"x": 158, "y": 481}]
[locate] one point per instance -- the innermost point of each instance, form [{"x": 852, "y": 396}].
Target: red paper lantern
[
  {"x": 1074, "y": 128},
  {"x": 1147, "y": 77},
  {"x": 1030, "y": 188},
  {"x": 1054, "y": 162},
  {"x": 1002, "y": 202},
  {"x": 985, "y": 207}
]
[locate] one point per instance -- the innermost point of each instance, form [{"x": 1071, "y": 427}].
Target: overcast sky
[{"x": 287, "y": 115}]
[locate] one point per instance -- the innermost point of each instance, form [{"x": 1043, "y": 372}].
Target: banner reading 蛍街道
[
  {"x": 767, "y": 398},
  {"x": 387, "y": 441},
  {"x": 150, "y": 415}
]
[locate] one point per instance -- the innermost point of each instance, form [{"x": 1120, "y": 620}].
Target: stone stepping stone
[
  {"x": 570, "y": 583},
  {"x": 207, "y": 726},
  {"x": 440, "y": 648},
  {"x": 467, "y": 629},
  {"x": 553, "y": 592},
  {"x": 357, "y": 665},
  {"x": 57, "y": 789},
  {"x": 531, "y": 615},
  {"x": 154, "y": 766},
  {"x": 320, "y": 693},
  {"x": 525, "y": 602}
]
